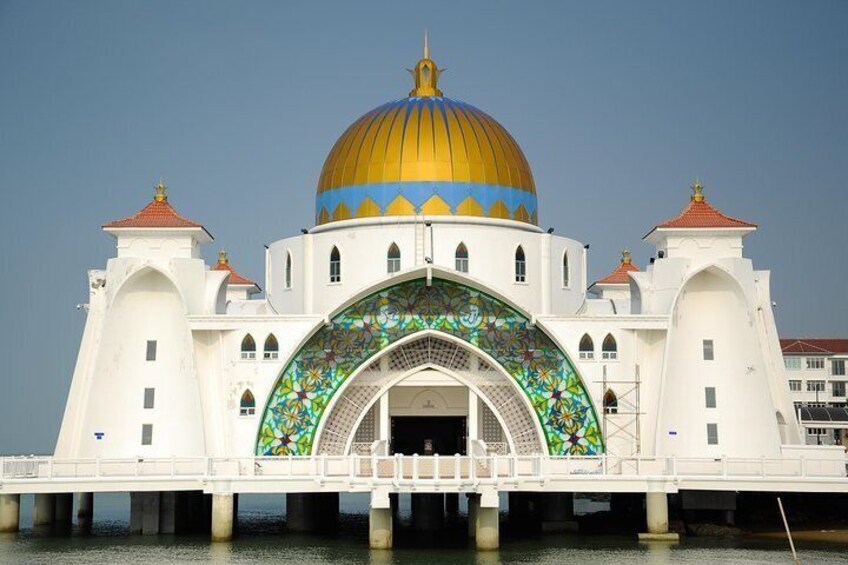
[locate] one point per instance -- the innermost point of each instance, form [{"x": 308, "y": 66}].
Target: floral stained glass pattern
[{"x": 318, "y": 370}]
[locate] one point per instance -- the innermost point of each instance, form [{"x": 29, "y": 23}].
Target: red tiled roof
[
  {"x": 814, "y": 345},
  {"x": 234, "y": 278},
  {"x": 157, "y": 214},
  {"x": 619, "y": 275},
  {"x": 700, "y": 214}
]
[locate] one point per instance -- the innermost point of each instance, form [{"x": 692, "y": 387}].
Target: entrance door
[{"x": 428, "y": 435}]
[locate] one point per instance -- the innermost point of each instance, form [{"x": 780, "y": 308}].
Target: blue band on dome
[{"x": 417, "y": 193}]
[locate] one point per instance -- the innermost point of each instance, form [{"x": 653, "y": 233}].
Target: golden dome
[{"x": 426, "y": 154}]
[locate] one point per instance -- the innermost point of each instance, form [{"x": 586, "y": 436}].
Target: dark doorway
[{"x": 428, "y": 435}]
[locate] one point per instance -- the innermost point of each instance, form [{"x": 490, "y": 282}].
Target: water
[{"x": 261, "y": 539}]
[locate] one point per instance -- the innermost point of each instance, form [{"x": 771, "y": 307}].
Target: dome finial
[
  {"x": 426, "y": 74},
  {"x": 625, "y": 256},
  {"x": 160, "y": 195},
  {"x": 697, "y": 192},
  {"x": 222, "y": 258}
]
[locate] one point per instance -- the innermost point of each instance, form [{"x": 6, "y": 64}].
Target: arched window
[
  {"x": 587, "y": 347},
  {"x": 609, "y": 349},
  {"x": 272, "y": 348},
  {"x": 288, "y": 270},
  {"x": 393, "y": 259},
  {"x": 520, "y": 265},
  {"x": 335, "y": 265},
  {"x": 461, "y": 258},
  {"x": 247, "y": 405},
  {"x": 248, "y": 347},
  {"x": 610, "y": 402},
  {"x": 565, "y": 273}
]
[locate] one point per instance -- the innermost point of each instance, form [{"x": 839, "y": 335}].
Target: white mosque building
[{"x": 427, "y": 312}]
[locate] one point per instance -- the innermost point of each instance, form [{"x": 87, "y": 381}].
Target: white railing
[{"x": 364, "y": 470}]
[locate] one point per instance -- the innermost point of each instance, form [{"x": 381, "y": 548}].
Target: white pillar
[
  {"x": 385, "y": 423},
  {"x": 10, "y": 512},
  {"x": 488, "y": 521},
  {"x": 380, "y": 528},
  {"x": 473, "y": 419},
  {"x": 85, "y": 509},
  {"x": 64, "y": 510},
  {"x": 657, "y": 510},
  {"x": 44, "y": 510},
  {"x": 222, "y": 517}
]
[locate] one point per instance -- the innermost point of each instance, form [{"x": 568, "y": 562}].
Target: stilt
[
  {"x": 380, "y": 528},
  {"x": 488, "y": 521},
  {"x": 63, "y": 511},
  {"x": 428, "y": 512},
  {"x": 44, "y": 510},
  {"x": 656, "y": 507},
  {"x": 222, "y": 517},
  {"x": 167, "y": 512},
  {"x": 85, "y": 510},
  {"x": 557, "y": 512},
  {"x": 136, "y": 512},
  {"x": 10, "y": 512},
  {"x": 150, "y": 522},
  {"x": 473, "y": 507}
]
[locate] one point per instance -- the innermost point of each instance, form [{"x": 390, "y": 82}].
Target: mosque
[{"x": 427, "y": 312}]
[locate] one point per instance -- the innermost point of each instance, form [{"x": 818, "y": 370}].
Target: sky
[{"x": 618, "y": 106}]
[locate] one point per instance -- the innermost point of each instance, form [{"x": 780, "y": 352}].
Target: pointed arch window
[
  {"x": 272, "y": 348},
  {"x": 520, "y": 266},
  {"x": 393, "y": 259},
  {"x": 248, "y": 347},
  {"x": 461, "y": 258},
  {"x": 335, "y": 265},
  {"x": 566, "y": 275},
  {"x": 587, "y": 347},
  {"x": 288, "y": 270},
  {"x": 247, "y": 404},
  {"x": 610, "y": 402},
  {"x": 609, "y": 349}
]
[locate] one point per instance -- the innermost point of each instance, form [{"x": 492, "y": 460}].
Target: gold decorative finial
[
  {"x": 625, "y": 256},
  {"x": 697, "y": 191},
  {"x": 160, "y": 195},
  {"x": 426, "y": 74},
  {"x": 222, "y": 258}
]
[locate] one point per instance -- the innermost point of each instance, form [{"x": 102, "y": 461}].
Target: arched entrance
[{"x": 356, "y": 336}]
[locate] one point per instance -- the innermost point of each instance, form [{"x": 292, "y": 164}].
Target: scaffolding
[{"x": 621, "y": 422}]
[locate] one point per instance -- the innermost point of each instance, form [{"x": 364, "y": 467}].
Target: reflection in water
[{"x": 659, "y": 552}]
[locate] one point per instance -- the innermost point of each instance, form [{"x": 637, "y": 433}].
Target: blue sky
[{"x": 618, "y": 108}]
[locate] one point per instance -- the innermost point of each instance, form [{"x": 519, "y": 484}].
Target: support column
[
  {"x": 136, "y": 512},
  {"x": 385, "y": 422},
  {"x": 380, "y": 521},
  {"x": 473, "y": 420},
  {"x": 168, "y": 512},
  {"x": 473, "y": 507},
  {"x": 428, "y": 512},
  {"x": 150, "y": 513},
  {"x": 656, "y": 508},
  {"x": 44, "y": 510},
  {"x": 488, "y": 522},
  {"x": 557, "y": 510},
  {"x": 10, "y": 512},
  {"x": 85, "y": 510},
  {"x": 63, "y": 511},
  {"x": 222, "y": 517}
]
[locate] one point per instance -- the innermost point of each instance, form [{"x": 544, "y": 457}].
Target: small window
[
  {"x": 815, "y": 363},
  {"x": 393, "y": 259},
  {"x": 792, "y": 363},
  {"x": 272, "y": 348},
  {"x": 335, "y": 265},
  {"x": 610, "y": 402},
  {"x": 248, "y": 347},
  {"x": 609, "y": 348},
  {"x": 816, "y": 431},
  {"x": 712, "y": 434},
  {"x": 795, "y": 385},
  {"x": 147, "y": 434},
  {"x": 709, "y": 393},
  {"x": 461, "y": 258},
  {"x": 837, "y": 367},
  {"x": 520, "y": 266},
  {"x": 838, "y": 388},
  {"x": 709, "y": 354},
  {"x": 247, "y": 405},
  {"x": 149, "y": 397},
  {"x": 566, "y": 276},
  {"x": 815, "y": 386},
  {"x": 151, "y": 350},
  {"x": 587, "y": 347},
  {"x": 288, "y": 270}
]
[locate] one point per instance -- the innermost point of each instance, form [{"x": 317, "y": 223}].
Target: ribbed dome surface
[{"x": 427, "y": 155}]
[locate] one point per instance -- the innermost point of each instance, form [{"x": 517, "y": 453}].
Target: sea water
[{"x": 261, "y": 538}]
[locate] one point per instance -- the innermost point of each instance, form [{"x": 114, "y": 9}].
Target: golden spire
[
  {"x": 222, "y": 258},
  {"x": 160, "y": 195},
  {"x": 697, "y": 192},
  {"x": 625, "y": 256},
  {"x": 426, "y": 74}
]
